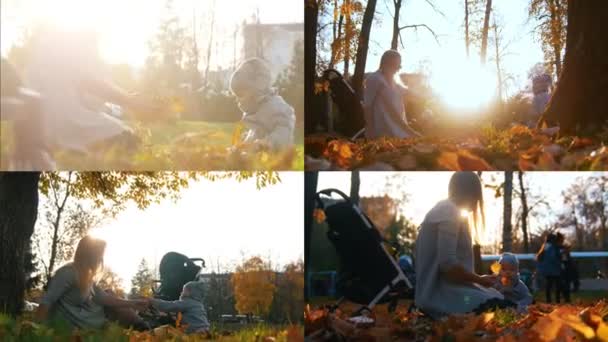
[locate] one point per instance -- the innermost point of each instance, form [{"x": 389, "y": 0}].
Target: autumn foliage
[
  {"x": 543, "y": 322},
  {"x": 518, "y": 148},
  {"x": 254, "y": 286}
]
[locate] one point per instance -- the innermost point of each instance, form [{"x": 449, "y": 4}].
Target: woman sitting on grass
[
  {"x": 73, "y": 296},
  {"x": 445, "y": 280}
]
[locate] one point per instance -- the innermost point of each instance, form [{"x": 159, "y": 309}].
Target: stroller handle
[
  {"x": 328, "y": 192},
  {"x": 198, "y": 259}
]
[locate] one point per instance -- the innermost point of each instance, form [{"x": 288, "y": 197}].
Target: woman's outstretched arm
[{"x": 106, "y": 299}]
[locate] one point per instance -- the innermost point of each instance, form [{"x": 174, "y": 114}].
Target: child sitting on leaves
[
  {"x": 267, "y": 118},
  {"x": 190, "y": 304},
  {"x": 509, "y": 284}
]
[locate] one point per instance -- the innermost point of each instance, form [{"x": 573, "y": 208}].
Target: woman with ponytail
[
  {"x": 72, "y": 294},
  {"x": 445, "y": 279}
]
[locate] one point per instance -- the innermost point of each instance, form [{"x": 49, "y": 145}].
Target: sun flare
[{"x": 464, "y": 86}]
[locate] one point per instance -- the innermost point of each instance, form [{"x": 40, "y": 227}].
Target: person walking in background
[
  {"x": 385, "y": 114},
  {"x": 549, "y": 266},
  {"x": 567, "y": 273}
]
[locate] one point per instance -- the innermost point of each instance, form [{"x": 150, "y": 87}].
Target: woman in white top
[
  {"x": 65, "y": 68},
  {"x": 445, "y": 280}
]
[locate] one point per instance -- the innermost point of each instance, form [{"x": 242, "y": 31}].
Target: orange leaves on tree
[
  {"x": 321, "y": 87},
  {"x": 253, "y": 283}
]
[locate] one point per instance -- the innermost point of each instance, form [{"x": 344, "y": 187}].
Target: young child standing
[
  {"x": 549, "y": 266},
  {"x": 190, "y": 304},
  {"x": 267, "y": 118},
  {"x": 509, "y": 284}
]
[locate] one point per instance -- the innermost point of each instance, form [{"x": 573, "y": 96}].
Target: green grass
[
  {"x": 23, "y": 329},
  {"x": 178, "y": 145}
]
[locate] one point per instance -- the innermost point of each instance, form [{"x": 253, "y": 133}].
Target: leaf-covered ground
[
  {"x": 180, "y": 145},
  {"x": 24, "y": 329},
  {"x": 543, "y": 322},
  {"x": 517, "y": 148}
]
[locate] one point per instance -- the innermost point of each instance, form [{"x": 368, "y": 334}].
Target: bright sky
[
  {"x": 126, "y": 26},
  {"x": 457, "y": 81},
  {"x": 219, "y": 221},
  {"x": 425, "y": 189}
]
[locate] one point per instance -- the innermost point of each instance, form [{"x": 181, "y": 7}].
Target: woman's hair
[
  {"x": 465, "y": 189},
  {"x": 549, "y": 238},
  {"x": 388, "y": 55},
  {"x": 88, "y": 260}
]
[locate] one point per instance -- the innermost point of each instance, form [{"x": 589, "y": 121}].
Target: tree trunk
[
  {"x": 355, "y": 182},
  {"x": 467, "y": 40},
  {"x": 310, "y": 187},
  {"x": 311, "y": 12},
  {"x": 60, "y": 206},
  {"x": 579, "y": 101},
  {"x": 18, "y": 213},
  {"x": 524, "y": 211},
  {"x": 477, "y": 265},
  {"x": 498, "y": 69},
  {"x": 556, "y": 28},
  {"x": 395, "y": 40},
  {"x": 348, "y": 33},
  {"x": 362, "y": 48},
  {"x": 210, "y": 45},
  {"x": 507, "y": 229},
  {"x": 484, "y": 33}
]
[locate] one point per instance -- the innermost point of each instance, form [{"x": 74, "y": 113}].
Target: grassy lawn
[
  {"x": 24, "y": 329},
  {"x": 179, "y": 145}
]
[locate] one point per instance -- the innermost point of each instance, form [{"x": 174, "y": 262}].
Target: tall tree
[
  {"x": 551, "y": 30},
  {"x": 310, "y": 189},
  {"x": 467, "y": 41},
  {"x": 484, "y": 34},
  {"x": 311, "y": 14},
  {"x": 507, "y": 229},
  {"x": 143, "y": 281},
  {"x": 579, "y": 101},
  {"x": 18, "y": 213},
  {"x": 524, "y": 213},
  {"x": 355, "y": 183},
  {"x": 362, "y": 49},
  {"x": 253, "y": 284}
]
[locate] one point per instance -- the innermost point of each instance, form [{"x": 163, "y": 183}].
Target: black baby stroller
[
  {"x": 175, "y": 271},
  {"x": 369, "y": 274},
  {"x": 346, "y": 99}
]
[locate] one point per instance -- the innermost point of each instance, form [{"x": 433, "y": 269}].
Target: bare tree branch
[{"x": 416, "y": 27}]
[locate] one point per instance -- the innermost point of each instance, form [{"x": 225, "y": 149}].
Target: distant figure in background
[
  {"x": 569, "y": 274},
  {"x": 509, "y": 283},
  {"x": 549, "y": 266},
  {"x": 383, "y": 101},
  {"x": 541, "y": 85},
  {"x": 267, "y": 118}
]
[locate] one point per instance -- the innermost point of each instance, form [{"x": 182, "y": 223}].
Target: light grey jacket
[
  {"x": 192, "y": 308},
  {"x": 444, "y": 240},
  {"x": 273, "y": 122}
]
